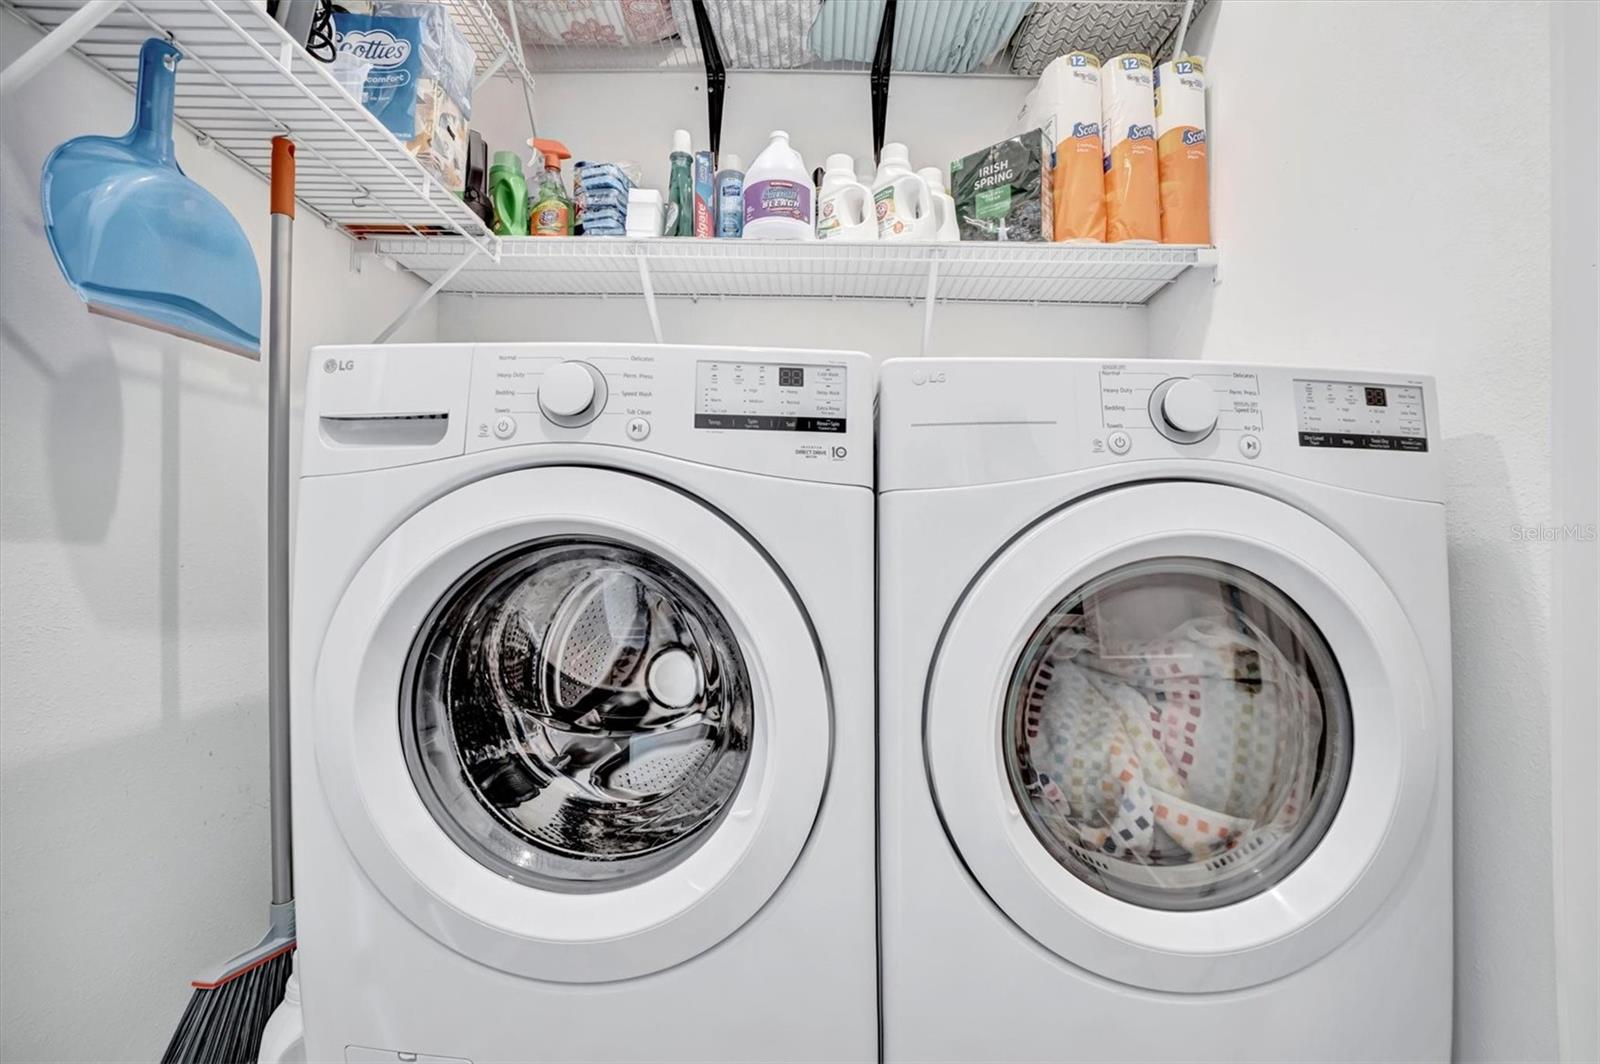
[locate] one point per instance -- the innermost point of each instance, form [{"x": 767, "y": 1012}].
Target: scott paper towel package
[
  {"x": 1181, "y": 151},
  {"x": 1066, "y": 105},
  {"x": 1128, "y": 138}
]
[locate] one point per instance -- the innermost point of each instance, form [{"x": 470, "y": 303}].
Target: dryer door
[
  {"x": 1182, "y": 735},
  {"x": 573, "y": 723}
]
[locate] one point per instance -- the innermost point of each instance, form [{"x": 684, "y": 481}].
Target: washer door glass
[
  {"x": 1177, "y": 734},
  {"x": 578, "y": 714}
]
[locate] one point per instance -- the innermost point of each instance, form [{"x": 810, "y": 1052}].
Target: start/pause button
[{"x": 638, "y": 428}]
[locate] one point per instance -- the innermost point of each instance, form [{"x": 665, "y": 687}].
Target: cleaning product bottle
[
  {"x": 508, "y": 192},
  {"x": 844, "y": 205},
  {"x": 944, "y": 205},
  {"x": 680, "y": 186},
  {"x": 730, "y": 196},
  {"x": 552, "y": 211},
  {"x": 778, "y": 199},
  {"x": 902, "y": 199}
]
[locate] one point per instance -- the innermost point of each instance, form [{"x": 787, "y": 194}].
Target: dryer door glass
[
  {"x": 578, "y": 714},
  {"x": 1177, "y": 734}
]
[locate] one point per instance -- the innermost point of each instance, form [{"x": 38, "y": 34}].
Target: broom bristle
[{"x": 224, "y": 1020}]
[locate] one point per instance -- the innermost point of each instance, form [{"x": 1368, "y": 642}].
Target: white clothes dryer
[
  {"x": 583, "y": 704},
  {"x": 1165, "y": 713}
]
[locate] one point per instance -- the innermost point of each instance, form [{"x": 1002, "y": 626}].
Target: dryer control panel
[
  {"x": 802, "y": 414},
  {"x": 960, "y": 421}
]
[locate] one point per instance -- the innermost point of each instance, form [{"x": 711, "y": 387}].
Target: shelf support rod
[
  {"x": 55, "y": 43},
  {"x": 1183, "y": 30},
  {"x": 929, "y": 299},
  {"x": 649, "y": 291},
  {"x": 716, "y": 74},
  {"x": 422, "y": 300},
  {"x": 527, "y": 82},
  {"x": 491, "y": 70},
  {"x": 882, "y": 64}
]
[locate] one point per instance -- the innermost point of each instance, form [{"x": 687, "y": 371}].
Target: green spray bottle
[{"x": 508, "y": 192}]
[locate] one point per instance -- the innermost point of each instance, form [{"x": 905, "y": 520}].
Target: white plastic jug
[
  {"x": 901, "y": 197},
  {"x": 779, "y": 202},
  {"x": 844, "y": 206},
  {"x": 944, "y": 206}
]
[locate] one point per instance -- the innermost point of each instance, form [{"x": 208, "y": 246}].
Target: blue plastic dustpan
[{"x": 139, "y": 240}]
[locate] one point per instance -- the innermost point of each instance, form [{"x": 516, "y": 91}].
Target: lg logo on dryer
[
  {"x": 334, "y": 365},
  {"x": 920, "y": 377}
]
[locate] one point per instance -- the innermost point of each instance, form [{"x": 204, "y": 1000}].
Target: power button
[{"x": 1119, "y": 442}]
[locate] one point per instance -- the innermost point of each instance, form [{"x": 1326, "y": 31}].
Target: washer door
[
  {"x": 572, "y": 723},
  {"x": 1181, "y": 735}
]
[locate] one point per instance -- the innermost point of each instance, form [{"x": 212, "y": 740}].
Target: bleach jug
[
  {"x": 844, "y": 205},
  {"x": 944, "y": 206},
  {"x": 901, "y": 198},
  {"x": 778, "y": 200}
]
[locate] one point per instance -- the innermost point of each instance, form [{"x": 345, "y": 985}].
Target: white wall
[
  {"x": 133, "y": 819},
  {"x": 617, "y": 117},
  {"x": 1381, "y": 197}
]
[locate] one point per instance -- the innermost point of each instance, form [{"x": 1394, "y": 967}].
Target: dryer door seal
[
  {"x": 1047, "y": 668},
  {"x": 609, "y": 847}
]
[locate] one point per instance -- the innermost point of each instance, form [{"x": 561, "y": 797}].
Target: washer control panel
[
  {"x": 790, "y": 413},
  {"x": 770, "y": 396}
]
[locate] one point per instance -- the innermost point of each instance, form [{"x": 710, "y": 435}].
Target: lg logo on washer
[
  {"x": 920, "y": 377},
  {"x": 334, "y": 365}
]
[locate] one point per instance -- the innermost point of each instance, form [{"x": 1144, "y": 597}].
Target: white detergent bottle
[
  {"x": 778, "y": 198},
  {"x": 844, "y": 206},
  {"x": 901, "y": 197},
  {"x": 944, "y": 206}
]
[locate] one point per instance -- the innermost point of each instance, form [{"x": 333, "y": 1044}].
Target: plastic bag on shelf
[
  {"x": 943, "y": 37},
  {"x": 590, "y": 23},
  {"x": 771, "y": 35}
]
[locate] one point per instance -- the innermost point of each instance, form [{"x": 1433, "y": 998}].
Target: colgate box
[{"x": 419, "y": 84}]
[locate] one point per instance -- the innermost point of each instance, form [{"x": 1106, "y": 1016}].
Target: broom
[{"x": 230, "y": 1006}]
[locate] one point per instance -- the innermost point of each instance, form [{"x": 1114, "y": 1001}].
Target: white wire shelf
[
  {"x": 242, "y": 80},
  {"x": 1102, "y": 274}
]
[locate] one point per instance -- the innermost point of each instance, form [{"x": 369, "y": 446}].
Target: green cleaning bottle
[
  {"x": 552, "y": 212},
  {"x": 508, "y": 193},
  {"x": 680, "y": 187}
]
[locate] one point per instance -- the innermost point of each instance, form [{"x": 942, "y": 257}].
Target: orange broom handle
[{"x": 283, "y": 176}]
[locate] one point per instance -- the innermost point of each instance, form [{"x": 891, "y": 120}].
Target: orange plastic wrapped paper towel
[
  {"x": 1128, "y": 139},
  {"x": 1066, "y": 105},
  {"x": 1181, "y": 151}
]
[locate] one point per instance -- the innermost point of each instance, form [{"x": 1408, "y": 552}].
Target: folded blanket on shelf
[{"x": 1054, "y": 28}]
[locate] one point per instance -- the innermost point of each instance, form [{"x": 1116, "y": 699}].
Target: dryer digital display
[
  {"x": 769, "y": 396},
  {"x": 1350, "y": 414}
]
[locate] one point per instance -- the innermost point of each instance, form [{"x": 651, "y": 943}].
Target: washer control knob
[
  {"x": 567, "y": 389},
  {"x": 1183, "y": 409},
  {"x": 572, "y": 393}
]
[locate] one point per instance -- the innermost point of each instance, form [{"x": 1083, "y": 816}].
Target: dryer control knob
[
  {"x": 1183, "y": 409},
  {"x": 572, "y": 393}
]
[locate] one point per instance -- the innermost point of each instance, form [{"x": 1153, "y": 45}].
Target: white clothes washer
[
  {"x": 583, "y": 704},
  {"x": 1165, "y": 713}
]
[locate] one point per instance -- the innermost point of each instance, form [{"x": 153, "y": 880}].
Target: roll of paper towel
[
  {"x": 1128, "y": 138},
  {"x": 1066, "y": 105},
  {"x": 1181, "y": 151}
]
